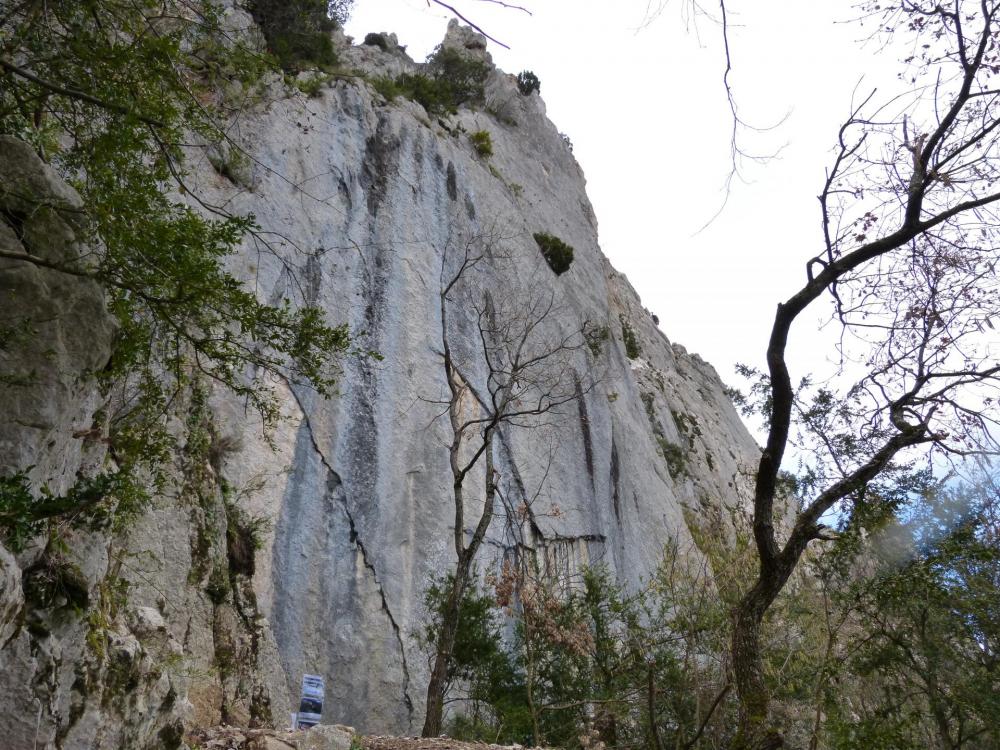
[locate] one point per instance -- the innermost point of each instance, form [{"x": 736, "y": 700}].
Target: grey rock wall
[
  {"x": 363, "y": 203},
  {"x": 367, "y": 196},
  {"x": 105, "y": 641}
]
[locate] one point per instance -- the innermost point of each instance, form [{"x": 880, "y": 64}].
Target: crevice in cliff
[
  {"x": 519, "y": 483},
  {"x": 335, "y": 481},
  {"x": 588, "y": 446},
  {"x": 380, "y": 154},
  {"x": 616, "y": 475}
]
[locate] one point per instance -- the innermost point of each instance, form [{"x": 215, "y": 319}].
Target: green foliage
[
  {"x": 758, "y": 401},
  {"x": 218, "y": 585},
  {"x": 592, "y": 662},
  {"x": 387, "y": 87},
  {"x": 17, "y": 511},
  {"x": 627, "y": 667},
  {"x": 312, "y": 85},
  {"x": 589, "y": 661},
  {"x": 595, "y": 338},
  {"x": 687, "y": 425},
  {"x": 298, "y": 31},
  {"x": 632, "y": 348},
  {"x": 675, "y": 457},
  {"x": 91, "y": 502},
  {"x": 431, "y": 93},
  {"x": 482, "y": 141},
  {"x": 244, "y": 538},
  {"x": 557, "y": 253},
  {"x": 927, "y": 628},
  {"x": 463, "y": 75},
  {"x": 111, "y": 597},
  {"x": 454, "y": 79},
  {"x": 375, "y": 39},
  {"x": 527, "y": 82},
  {"x": 110, "y": 91},
  {"x": 480, "y": 670},
  {"x": 476, "y": 652}
]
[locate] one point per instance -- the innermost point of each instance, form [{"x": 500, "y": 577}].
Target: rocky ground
[
  {"x": 322, "y": 737},
  {"x": 433, "y": 743}
]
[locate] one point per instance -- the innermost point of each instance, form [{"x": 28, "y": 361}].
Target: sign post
[{"x": 311, "y": 705}]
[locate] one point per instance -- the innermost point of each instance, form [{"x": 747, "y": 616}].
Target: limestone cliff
[{"x": 363, "y": 200}]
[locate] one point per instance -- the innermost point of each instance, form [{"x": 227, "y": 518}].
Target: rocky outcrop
[
  {"x": 367, "y": 204},
  {"x": 106, "y": 641}
]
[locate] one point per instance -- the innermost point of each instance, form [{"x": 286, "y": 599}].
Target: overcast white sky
[{"x": 648, "y": 118}]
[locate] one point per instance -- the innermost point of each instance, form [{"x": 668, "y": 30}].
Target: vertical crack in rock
[
  {"x": 381, "y": 150},
  {"x": 334, "y": 481},
  {"x": 588, "y": 446},
  {"x": 313, "y": 276},
  {"x": 615, "y": 478},
  {"x": 519, "y": 483},
  {"x": 451, "y": 182}
]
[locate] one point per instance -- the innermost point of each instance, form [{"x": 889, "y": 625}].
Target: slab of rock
[{"x": 327, "y": 737}]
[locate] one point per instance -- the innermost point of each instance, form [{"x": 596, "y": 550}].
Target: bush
[
  {"x": 595, "y": 338},
  {"x": 632, "y": 348},
  {"x": 431, "y": 93},
  {"x": 482, "y": 141},
  {"x": 313, "y": 85},
  {"x": 528, "y": 82},
  {"x": 557, "y": 253},
  {"x": 481, "y": 671},
  {"x": 91, "y": 502},
  {"x": 455, "y": 80},
  {"x": 377, "y": 40},
  {"x": 298, "y": 31},
  {"x": 463, "y": 77},
  {"x": 675, "y": 457},
  {"x": 387, "y": 87}
]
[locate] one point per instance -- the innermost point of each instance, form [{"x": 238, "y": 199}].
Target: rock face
[
  {"x": 105, "y": 641},
  {"x": 373, "y": 194},
  {"x": 45, "y": 353},
  {"x": 369, "y": 207}
]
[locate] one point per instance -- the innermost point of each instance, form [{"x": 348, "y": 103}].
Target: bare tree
[
  {"x": 518, "y": 371},
  {"x": 909, "y": 262}
]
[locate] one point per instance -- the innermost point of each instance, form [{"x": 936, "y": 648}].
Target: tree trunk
[
  {"x": 442, "y": 659},
  {"x": 755, "y": 731},
  {"x": 654, "y": 731},
  {"x": 450, "y": 618},
  {"x": 529, "y": 674}
]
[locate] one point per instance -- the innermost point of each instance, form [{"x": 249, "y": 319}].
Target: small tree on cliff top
[{"x": 909, "y": 260}]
